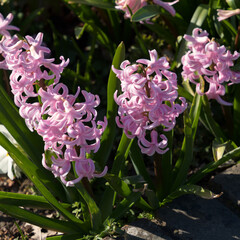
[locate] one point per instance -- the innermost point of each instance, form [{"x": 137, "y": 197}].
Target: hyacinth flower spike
[
  {"x": 68, "y": 128},
  {"x": 147, "y": 101},
  {"x": 207, "y": 63}
]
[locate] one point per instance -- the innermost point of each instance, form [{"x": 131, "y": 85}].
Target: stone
[
  {"x": 191, "y": 217},
  {"x": 145, "y": 229},
  {"x": 229, "y": 183}
]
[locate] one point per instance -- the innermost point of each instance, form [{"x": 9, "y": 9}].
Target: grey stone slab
[
  {"x": 145, "y": 229},
  {"x": 191, "y": 217},
  {"x": 229, "y": 183}
]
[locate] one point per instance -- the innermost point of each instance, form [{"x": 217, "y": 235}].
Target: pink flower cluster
[
  {"x": 210, "y": 61},
  {"x": 147, "y": 102},
  {"x": 135, "y": 5},
  {"x": 69, "y": 128}
]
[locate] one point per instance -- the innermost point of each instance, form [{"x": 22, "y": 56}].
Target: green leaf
[
  {"x": 135, "y": 179},
  {"x": 79, "y": 31},
  {"x": 94, "y": 212},
  {"x": 100, "y": 34},
  {"x": 227, "y": 25},
  {"x": 233, "y": 3},
  {"x": 107, "y": 202},
  {"x": 38, "y": 177},
  {"x": 195, "y": 113},
  {"x": 108, "y": 199},
  {"x": 184, "y": 93},
  {"x": 118, "y": 185},
  {"x": 138, "y": 163},
  {"x": 190, "y": 189},
  {"x": 20, "y": 231},
  {"x": 213, "y": 165},
  {"x": 197, "y": 20},
  {"x": 95, "y": 3},
  {"x": 109, "y": 134},
  {"x": 162, "y": 33},
  {"x": 190, "y": 127},
  {"x": 66, "y": 237},
  {"x": 145, "y": 13},
  {"x": 30, "y": 142},
  {"x": 212, "y": 124},
  {"x": 124, "y": 190},
  {"x": 94, "y": 26},
  {"x": 152, "y": 198},
  {"x": 24, "y": 200},
  {"x": 27, "y": 216},
  {"x": 122, "y": 154},
  {"x": 125, "y": 205},
  {"x": 165, "y": 167},
  {"x": 236, "y": 114}
]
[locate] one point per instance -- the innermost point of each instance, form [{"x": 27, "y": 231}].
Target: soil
[{"x": 8, "y": 225}]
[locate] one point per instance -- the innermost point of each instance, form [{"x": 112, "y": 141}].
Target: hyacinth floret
[
  {"x": 225, "y": 14},
  {"x": 207, "y": 65},
  {"x": 147, "y": 101},
  {"x": 5, "y": 25},
  {"x": 135, "y": 5},
  {"x": 124, "y": 5},
  {"x": 68, "y": 128}
]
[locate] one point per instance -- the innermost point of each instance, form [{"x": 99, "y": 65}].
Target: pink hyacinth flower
[
  {"x": 210, "y": 61},
  {"x": 167, "y": 6},
  {"x": 134, "y": 5},
  {"x": 68, "y": 128},
  {"x": 147, "y": 101},
  {"x": 5, "y": 25},
  {"x": 225, "y": 14}
]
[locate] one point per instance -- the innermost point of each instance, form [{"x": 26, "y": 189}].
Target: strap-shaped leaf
[
  {"x": 236, "y": 114},
  {"x": 44, "y": 222},
  {"x": 146, "y": 12},
  {"x": 24, "y": 200},
  {"x": 213, "y": 165},
  {"x": 124, "y": 190},
  {"x": 233, "y": 3},
  {"x": 95, "y": 3},
  {"x": 139, "y": 165},
  {"x": 65, "y": 237},
  {"x": 190, "y": 189},
  {"x": 94, "y": 212},
  {"x": 212, "y": 124},
  {"x": 108, "y": 199},
  {"x": 125, "y": 204},
  {"x": 109, "y": 134},
  {"x": 37, "y": 176},
  {"x": 165, "y": 168},
  {"x": 30, "y": 142},
  {"x": 190, "y": 127}
]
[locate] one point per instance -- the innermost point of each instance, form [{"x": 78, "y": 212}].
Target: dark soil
[{"x": 8, "y": 225}]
